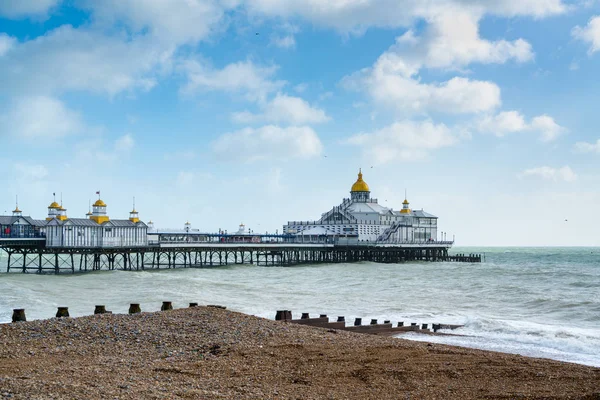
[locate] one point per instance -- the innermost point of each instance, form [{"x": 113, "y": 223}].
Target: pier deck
[{"x": 31, "y": 255}]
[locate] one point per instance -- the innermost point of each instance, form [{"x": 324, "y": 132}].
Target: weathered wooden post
[
  {"x": 287, "y": 315},
  {"x": 18, "y": 315},
  {"x": 435, "y": 327},
  {"x": 341, "y": 319},
  {"x": 424, "y": 326},
  {"x": 280, "y": 315},
  {"x": 100, "y": 310},
  {"x": 62, "y": 312},
  {"x": 304, "y": 315},
  {"x": 193, "y": 304},
  {"x": 374, "y": 321},
  {"x": 387, "y": 321},
  {"x": 166, "y": 306},
  {"x": 357, "y": 321},
  {"x": 322, "y": 315},
  {"x": 400, "y": 323},
  {"x": 134, "y": 308}
]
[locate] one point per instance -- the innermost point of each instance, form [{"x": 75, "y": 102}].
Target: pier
[{"x": 32, "y": 255}]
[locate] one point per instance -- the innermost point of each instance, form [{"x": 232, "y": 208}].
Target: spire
[
  {"x": 89, "y": 213},
  {"x": 16, "y": 211},
  {"x": 405, "y": 205},
  {"x": 133, "y": 215}
]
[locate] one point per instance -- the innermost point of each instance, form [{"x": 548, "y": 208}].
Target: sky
[{"x": 262, "y": 112}]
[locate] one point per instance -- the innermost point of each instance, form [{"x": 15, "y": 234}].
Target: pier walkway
[{"x": 32, "y": 255}]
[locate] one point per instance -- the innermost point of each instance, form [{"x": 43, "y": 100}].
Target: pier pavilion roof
[
  {"x": 422, "y": 214},
  {"x": 91, "y": 222},
  {"x": 9, "y": 220},
  {"x": 368, "y": 207}
]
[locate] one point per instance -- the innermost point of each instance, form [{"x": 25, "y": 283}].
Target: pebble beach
[{"x": 212, "y": 353}]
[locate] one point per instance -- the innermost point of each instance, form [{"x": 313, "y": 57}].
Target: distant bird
[
  {"x": 371, "y": 166},
  {"x": 566, "y": 220},
  {"x": 325, "y": 156},
  {"x": 257, "y": 33}
]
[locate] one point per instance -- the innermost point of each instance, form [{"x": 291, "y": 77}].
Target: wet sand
[{"x": 210, "y": 353}]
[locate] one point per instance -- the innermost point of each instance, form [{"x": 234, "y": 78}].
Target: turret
[
  {"x": 16, "y": 212},
  {"x": 405, "y": 206},
  {"x": 133, "y": 215},
  {"x": 53, "y": 209},
  {"x": 99, "y": 211},
  {"x": 360, "y": 190}
]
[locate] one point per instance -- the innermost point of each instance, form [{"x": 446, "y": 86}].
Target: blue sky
[{"x": 262, "y": 111}]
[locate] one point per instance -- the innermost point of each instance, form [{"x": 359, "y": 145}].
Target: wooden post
[
  {"x": 193, "y": 304},
  {"x": 357, "y": 321},
  {"x": 374, "y": 322},
  {"x": 62, "y": 312},
  {"x": 100, "y": 310},
  {"x": 166, "y": 306},
  {"x": 341, "y": 319},
  {"x": 18, "y": 315},
  {"x": 134, "y": 308},
  {"x": 304, "y": 315}
]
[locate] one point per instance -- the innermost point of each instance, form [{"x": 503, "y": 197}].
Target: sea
[{"x": 538, "y": 302}]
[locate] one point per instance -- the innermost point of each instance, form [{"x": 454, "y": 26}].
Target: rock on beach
[{"x": 212, "y": 353}]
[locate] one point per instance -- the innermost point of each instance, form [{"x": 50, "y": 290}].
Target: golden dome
[
  {"x": 360, "y": 185},
  {"x": 54, "y": 205},
  {"x": 99, "y": 203},
  {"x": 16, "y": 210},
  {"x": 405, "y": 201}
]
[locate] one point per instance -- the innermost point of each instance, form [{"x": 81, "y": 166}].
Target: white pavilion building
[
  {"x": 98, "y": 230},
  {"x": 362, "y": 219}
]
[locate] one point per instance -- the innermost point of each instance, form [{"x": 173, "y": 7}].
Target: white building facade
[
  {"x": 98, "y": 230},
  {"x": 361, "y": 218}
]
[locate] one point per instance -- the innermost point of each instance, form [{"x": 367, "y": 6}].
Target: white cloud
[
  {"x": 565, "y": 173},
  {"x": 170, "y": 21},
  {"x": 503, "y": 123},
  {"x": 31, "y": 172},
  {"x": 6, "y": 43},
  {"x": 124, "y": 143},
  {"x": 407, "y": 95},
  {"x": 41, "y": 117},
  {"x": 285, "y": 109},
  {"x": 356, "y": 16},
  {"x": 23, "y": 8},
  {"x": 548, "y": 128},
  {"x": 67, "y": 59},
  {"x": 403, "y": 141},
  {"x": 507, "y": 122},
  {"x": 589, "y": 34},
  {"x": 268, "y": 142},
  {"x": 245, "y": 77},
  {"x": 451, "y": 41},
  {"x": 285, "y": 42},
  {"x": 584, "y": 147}
]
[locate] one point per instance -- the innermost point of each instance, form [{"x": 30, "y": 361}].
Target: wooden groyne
[
  {"x": 385, "y": 328},
  {"x": 373, "y": 328}
]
